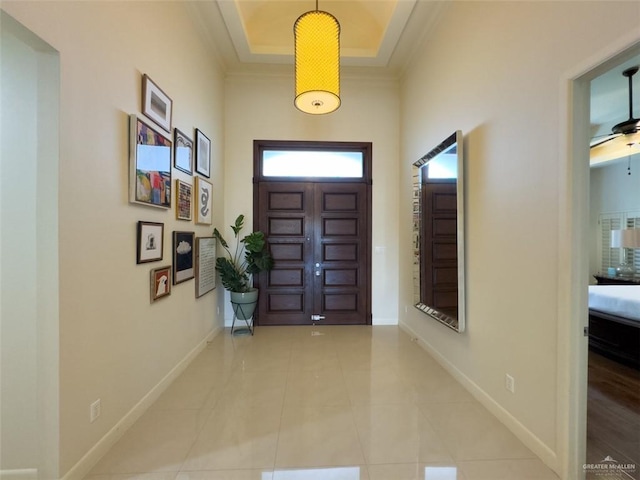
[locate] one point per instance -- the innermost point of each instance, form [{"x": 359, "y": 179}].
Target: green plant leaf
[
  {"x": 254, "y": 242},
  {"x": 220, "y": 238},
  {"x": 232, "y": 279},
  {"x": 238, "y": 225},
  {"x": 258, "y": 261}
]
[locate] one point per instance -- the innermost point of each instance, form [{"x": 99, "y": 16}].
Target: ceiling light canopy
[{"x": 317, "y": 59}]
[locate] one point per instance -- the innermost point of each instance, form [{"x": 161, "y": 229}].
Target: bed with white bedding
[{"x": 614, "y": 322}]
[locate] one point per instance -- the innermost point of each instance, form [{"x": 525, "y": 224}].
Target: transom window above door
[{"x": 312, "y": 161}]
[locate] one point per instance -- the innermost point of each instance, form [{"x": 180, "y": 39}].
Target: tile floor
[{"x": 317, "y": 403}]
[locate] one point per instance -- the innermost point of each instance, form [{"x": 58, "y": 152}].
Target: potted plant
[{"x": 249, "y": 256}]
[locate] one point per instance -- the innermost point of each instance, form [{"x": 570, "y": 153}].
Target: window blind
[
  {"x": 609, "y": 257},
  {"x": 633, "y": 254},
  {"x": 612, "y": 257}
]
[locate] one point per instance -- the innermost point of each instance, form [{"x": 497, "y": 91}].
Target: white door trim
[{"x": 573, "y": 259}]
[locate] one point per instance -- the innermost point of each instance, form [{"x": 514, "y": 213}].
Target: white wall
[
  {"x": 611, "y": 190},
  {"x": 262, "y": 108},
  {"x": 29, "y": 82},
  {"x": 495, "y": 71},
  {"x": 114, "y": 344},
  {"x": 18, "y": 309}
]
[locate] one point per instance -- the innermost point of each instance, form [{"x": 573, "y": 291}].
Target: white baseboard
[
  {"x": 91, "y": 458},
  {"x": 19, "y": 474},
  {"x": 537, "y": 446}
]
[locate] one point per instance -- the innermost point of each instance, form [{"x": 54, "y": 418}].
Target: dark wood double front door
[{"x": 319, "y": 234}]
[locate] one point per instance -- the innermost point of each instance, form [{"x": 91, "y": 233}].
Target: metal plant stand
[{"x": 238, "y": 314}]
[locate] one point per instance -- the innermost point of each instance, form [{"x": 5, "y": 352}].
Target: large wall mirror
[{"x": 438, "y": 233}]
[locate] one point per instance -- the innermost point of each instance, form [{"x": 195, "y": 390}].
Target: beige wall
[
  {"x": 500, "y": 84},
  {"x": 495, "y": 71},
  {"x": 114, "y": 344},
  {"x": 262, "y": 108}
]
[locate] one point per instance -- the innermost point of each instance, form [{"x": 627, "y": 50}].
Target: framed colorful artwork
[
  {"x": 149, "y": 165},
  {"x": 156, "y": 104},
  {"x": 204, "y": 201},
  {"x": 149, "y": 243},
  {"x": 203, "y": 154},
  {"x": 183, "y": 243},
  {"x": 182, "y": 152},
  {"x": 160, "y": 282},
  {"x": 184, "y": 195}
]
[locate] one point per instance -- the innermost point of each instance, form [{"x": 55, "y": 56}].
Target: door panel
[
  {"x": 286, "y": 201},
  {"x": 285, "y": 213},
  {"x": 440, "y": 270},
  {"x": 319, "y": 236},
  {"x": 341, "y": 245},
  {"x": 286, "y": 227},
  {"x": 287, "y": 251}
]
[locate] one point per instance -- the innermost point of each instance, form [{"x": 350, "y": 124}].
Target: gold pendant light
[{"x": 317, "y": 55}]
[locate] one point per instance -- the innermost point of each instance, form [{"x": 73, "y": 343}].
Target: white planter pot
[{"x": 244, "y": 303}]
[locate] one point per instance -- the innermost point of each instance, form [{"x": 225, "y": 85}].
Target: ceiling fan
[{"x": 625, "y": 137}]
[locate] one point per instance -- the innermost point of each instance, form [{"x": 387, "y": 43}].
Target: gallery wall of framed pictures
[{"x": 170, "y": 168}]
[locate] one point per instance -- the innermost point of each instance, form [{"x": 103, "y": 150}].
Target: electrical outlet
[
  {"x": 94, "y": 411},
  {"x": 510, "y": 383}
]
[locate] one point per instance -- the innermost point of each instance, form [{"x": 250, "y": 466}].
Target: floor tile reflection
[{"x": 317, "y": 403}]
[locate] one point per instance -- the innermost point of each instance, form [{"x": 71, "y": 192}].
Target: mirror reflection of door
[
  {"x": 438, "y": 233},
  {"x": 317, "y": 222},
  {"x": 440, "y": 267}
]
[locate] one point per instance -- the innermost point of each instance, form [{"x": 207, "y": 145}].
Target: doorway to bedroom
[{"x": 613, "y": 377}]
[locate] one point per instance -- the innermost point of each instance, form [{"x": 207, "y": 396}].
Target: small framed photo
[
  {"x": 160, "y": 282},
  {"x": 156, "y": 104},
  {"x": 183, "y": 250},
  {"x": 149, "y": 242},
  {"x": 184, "y": 195},
  {"x": 182, "y": 152},
  {"x": 204, "y": 201},
  {"x": 149, "y": 165},
  {"x": 203, "y": 153}
]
